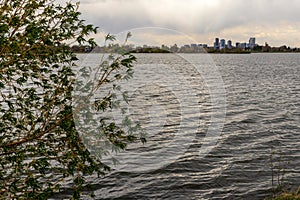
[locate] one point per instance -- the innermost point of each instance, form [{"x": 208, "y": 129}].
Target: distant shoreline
[
  {"x": 159, "y": 50},
  {"x": 195, "y": 53}
]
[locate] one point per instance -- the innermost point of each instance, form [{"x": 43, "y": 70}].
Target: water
[{"x": 262, "y": 115}]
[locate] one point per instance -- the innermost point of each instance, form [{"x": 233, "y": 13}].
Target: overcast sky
[{"x": 182, "y": 21}]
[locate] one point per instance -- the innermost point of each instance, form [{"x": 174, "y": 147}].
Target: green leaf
[{"x": 40, "y": 147}]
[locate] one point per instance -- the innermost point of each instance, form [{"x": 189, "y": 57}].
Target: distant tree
[
  {"x": 39, "y": 145},
  {"x": 174, "y": 48}
]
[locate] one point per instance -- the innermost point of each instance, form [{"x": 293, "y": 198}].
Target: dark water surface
[{"x": 262, "y": 115}]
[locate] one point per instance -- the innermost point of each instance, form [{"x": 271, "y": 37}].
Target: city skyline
[
  {"x": 269, "y": 21},
  {"x": 219, "y": 46}
]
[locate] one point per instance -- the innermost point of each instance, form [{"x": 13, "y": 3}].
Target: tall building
[
  {"x": 252, "y": 42},
  {"x": 243, "y": 45},
  {"x": 216, "y": 44},
  {"x": 229, "y": 44},
  {"x": 222, "y": 44}
]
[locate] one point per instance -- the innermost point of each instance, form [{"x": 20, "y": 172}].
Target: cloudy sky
[{"x": 184, "y": 21}]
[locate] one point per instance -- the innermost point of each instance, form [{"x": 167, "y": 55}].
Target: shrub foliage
[{"x": 40, "y": 148}]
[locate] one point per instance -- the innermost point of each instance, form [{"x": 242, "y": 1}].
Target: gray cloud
[{"x": 190, "y": 16}]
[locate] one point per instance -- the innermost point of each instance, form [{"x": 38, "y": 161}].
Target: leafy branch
[{"x": 40, "y": 147}]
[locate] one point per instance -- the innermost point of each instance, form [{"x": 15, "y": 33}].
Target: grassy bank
[{"x": 287, "y": 195}]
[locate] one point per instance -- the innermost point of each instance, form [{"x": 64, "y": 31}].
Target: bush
[{"x": 39, "y": 145}]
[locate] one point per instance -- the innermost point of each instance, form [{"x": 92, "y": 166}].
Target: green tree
[{"x": 39, "y": 145}]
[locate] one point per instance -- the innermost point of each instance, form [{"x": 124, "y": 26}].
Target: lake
[{"x": 218, "y": 125}]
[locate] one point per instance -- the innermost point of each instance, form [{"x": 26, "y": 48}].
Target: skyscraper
[
  {"x": 222, "y": 44},
  {"x": 216, "y": 44},
  {"x": 229, "y": 44},
  {"x": 252, "y": 42}
]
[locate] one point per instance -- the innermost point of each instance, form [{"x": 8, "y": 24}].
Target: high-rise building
[
  {"x": 216, "y": 44},
  {"x": 243, "y": 45},
  {"x": 252, "y": 42},
  {"x": 229, "y": 44},
  {"x": 222, "y": 44}
]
